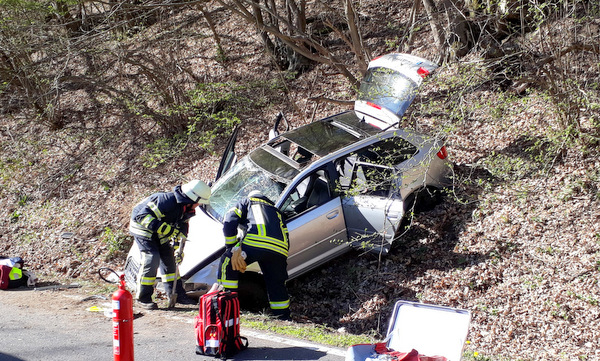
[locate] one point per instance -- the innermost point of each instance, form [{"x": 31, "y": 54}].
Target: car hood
[{"x": 204, "y": 247}]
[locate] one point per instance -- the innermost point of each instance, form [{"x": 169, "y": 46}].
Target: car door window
[
  {"x": 311, "y": 192},
  {"x": 344, "y": 167},
  {"x": 388, "y": 152},
  {"x": 371, "y": 179},
  {"x": 377, "y": 161}
]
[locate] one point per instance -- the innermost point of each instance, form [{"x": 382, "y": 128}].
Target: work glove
[
  {"x": 181, "y": 238},
  {"x": 178, "y": 252},
  {"x": 241, "y": 234},
  {"x": 238, "y": 259},
  {"x": 178, "y": 256}
]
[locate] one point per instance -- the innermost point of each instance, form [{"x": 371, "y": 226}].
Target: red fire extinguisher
[{"x": 122, "y": 305}]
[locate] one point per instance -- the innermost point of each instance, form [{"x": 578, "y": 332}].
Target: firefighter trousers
[
  {"x": 274, "y": 269},
  {"x": 154, "y": 255}
]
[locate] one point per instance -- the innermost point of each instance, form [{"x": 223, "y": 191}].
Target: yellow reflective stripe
[
  {"x": 147, "y": 281},
  {"x": 155, "y": 209},
  {"x": 259, "y": 219},
  {"x": 164, "y": 229},
  {"x": 236, "y": 210},
  {"x": 230, "y": 240},
  {"x": 141, "y": 280},
  {"x": 266, "y": 246},
  {"x": 224, "y": 265},
  {"x": 15, "y": 274},
  {"x": 284, "y": 229},
  {"x": 169, "y": 277},
  {"x": 228, "y": 284},
  {"x": 280, "y": 305},
  {"x": 261, "y": 201},
  {"x": 138, "y": 230},
  {"x": 266, "y": 239},
  {"x": 147, "y": 220}
]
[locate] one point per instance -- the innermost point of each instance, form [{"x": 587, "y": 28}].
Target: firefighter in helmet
[
  {"x": 265, "y": 242},
  {"x": 159, "y": 225}
]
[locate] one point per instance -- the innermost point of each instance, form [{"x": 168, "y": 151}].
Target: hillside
[{"x": 516, "y": 241}]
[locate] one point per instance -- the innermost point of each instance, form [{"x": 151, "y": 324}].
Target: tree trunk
[
  {"x": 355, "y": 36},
  {"x": 436, "y": 28}
]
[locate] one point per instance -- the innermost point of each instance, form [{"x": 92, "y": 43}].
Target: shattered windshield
[{"x": 240, "y": 180}]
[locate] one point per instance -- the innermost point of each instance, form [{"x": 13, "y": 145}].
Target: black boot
[
  {"x": 283, "y": 315},
  {"x": 144, "y": 298},
  {"x": 182, "y": 297}
]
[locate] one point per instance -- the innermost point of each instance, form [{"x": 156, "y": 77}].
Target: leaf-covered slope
[{"x": 516, "y": 242}]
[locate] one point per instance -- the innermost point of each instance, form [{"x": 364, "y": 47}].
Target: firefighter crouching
[
  {"x": 155, "y": 222},
  {"x": 265, "y": 242}
]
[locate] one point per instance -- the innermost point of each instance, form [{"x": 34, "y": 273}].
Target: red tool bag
[
  {"x": 4, "y": 276},
  {"x": 218, "y": 325}
]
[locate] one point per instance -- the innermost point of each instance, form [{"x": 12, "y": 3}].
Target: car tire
[{"x": 423, "y": 199}]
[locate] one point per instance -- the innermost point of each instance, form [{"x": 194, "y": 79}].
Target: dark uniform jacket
[
  {"x": 158, "y": 216},
  {"x": 265, "y": 226}
]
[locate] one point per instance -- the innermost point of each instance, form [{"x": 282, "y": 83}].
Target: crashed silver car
[{"x": 341, "y": 182}]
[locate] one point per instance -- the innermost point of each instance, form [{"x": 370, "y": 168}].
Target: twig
[{"x": 334, "y": 101}]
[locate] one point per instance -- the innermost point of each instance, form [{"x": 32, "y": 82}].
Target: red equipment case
[{"x": 217, "y": 325}]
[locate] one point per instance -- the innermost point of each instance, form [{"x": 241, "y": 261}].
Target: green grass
[{"x": 309, "y": 332}]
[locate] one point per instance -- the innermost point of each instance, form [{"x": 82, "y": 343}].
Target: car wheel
[{"x": 427, "y": 198}]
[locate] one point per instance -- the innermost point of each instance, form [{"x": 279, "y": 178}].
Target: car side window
[
  {"x": 372, "y": 179},
  {"x": 311, "y": 192},
  {"x": 344, "y": 167},
  {"x": 388, "y": 152}
]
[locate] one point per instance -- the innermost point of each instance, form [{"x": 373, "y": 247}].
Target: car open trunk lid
[{"x": 389, "y": 87}]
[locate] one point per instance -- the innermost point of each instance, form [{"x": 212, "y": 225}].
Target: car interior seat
[{"x": 319, "y": 193}]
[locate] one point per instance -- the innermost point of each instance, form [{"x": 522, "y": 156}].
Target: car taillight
[
  {"x": 443, "y": 153},
  {"x": 374, "y": 105},
  {"x": 423, "y": 72}
]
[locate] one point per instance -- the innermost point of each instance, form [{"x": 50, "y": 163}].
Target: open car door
[
  {"x": 372, "y": 213},
  {"x": 204, "y": 245},
  {"x": 315, "y": 222},
  {"x": 229, "y": 158}
]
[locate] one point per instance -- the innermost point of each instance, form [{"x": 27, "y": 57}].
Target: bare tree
[{"x": 284, "y": 29}]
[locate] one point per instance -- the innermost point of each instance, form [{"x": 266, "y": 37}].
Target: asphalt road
[{"x": 61, "y": 325}]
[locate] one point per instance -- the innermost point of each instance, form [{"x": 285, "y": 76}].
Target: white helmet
[
  {"x": 197, "y": 191},
  {"x": 255, "y": 193}
]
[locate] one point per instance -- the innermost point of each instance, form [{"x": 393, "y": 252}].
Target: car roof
[
  {"x": 331, "y": 134},
  {"x": 316, "y": 140},
  {"x": 322, "y": 139}
]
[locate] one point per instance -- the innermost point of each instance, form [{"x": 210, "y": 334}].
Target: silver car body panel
[
  {"x": 316, "y": 236},
  {"x": 372, "y": 221}
]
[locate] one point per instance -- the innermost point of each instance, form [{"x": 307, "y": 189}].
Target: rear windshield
[{"x": 388, "y": 88}]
